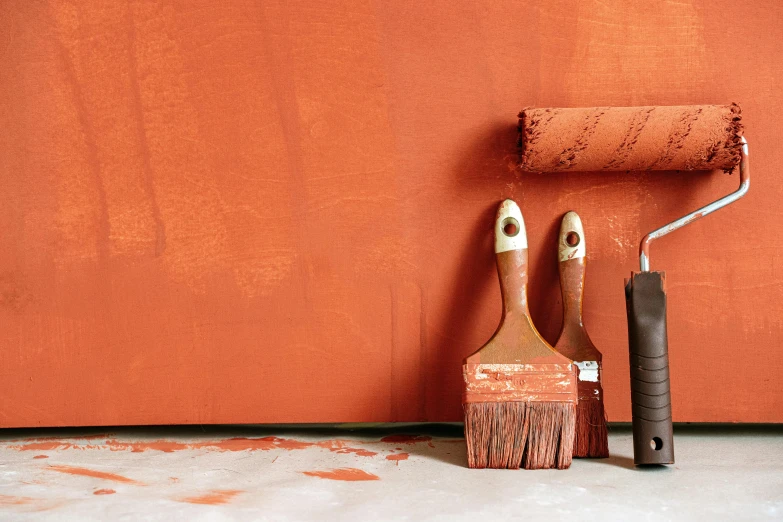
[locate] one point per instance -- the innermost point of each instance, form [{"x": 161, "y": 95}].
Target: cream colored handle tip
[
  {"x": 571, "y": 244},
  {"x": 510, "y": 233}
]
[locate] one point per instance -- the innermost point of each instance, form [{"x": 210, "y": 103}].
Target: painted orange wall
[{"x": 247, "y": 212}]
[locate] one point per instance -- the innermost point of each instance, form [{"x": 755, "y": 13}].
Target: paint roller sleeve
[{"x": 690, "y": 137}]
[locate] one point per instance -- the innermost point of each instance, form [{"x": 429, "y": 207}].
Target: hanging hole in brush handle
[
  {"x": 571, "y": 244},
  {"x": 653, "y": 440},
  {"x": 510, "y": 227}
]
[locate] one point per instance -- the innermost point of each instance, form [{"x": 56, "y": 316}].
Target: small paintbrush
[
  {"x": 520, "y": 394},
  {"x": 591, "y": 436}
]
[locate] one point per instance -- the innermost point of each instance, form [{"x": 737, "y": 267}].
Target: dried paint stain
[
  {"x": 214, "y": 497},
  {"x": 345, "y": 474},
  {"x": 398, "y": 457},
  {"x": 359, "y": 452},
  {"x": 8, "y": 500},
  {"x": 85, "y": 472},
  {"x": 234, "y": 444}
]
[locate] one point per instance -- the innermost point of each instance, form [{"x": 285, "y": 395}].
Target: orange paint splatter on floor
[
  {"x": 214, "y": 497},
  {"x": 398, "y": 457},
  {"x": 85, "y": 472},
  {"x": 405, "y": 439},
  {"x": 28, "y": 504},
  {"x": 346, "y": 474},
  {"x": 8, "y": 500},
  {"x": 359, "y": 452},
  {"x": 233, "y": 444},
  {"x": 104, "y": 492},
  {"x": 46, "y": 446},
  {"x": 41, "y": 457}
]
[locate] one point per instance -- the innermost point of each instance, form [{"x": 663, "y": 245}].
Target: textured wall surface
[{"x": 244, "y": 212}]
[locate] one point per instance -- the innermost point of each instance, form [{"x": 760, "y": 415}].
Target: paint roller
[{"x": 682, "y": 138}]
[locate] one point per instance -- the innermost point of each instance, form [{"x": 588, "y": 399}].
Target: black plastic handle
[{"x": 653, "y": 440}]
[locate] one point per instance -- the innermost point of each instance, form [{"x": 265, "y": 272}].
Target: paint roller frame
[
  {"x": 563, "y": 142},
  {"x": 744, "y": 173},
  {"x": 645, "y": 292}
]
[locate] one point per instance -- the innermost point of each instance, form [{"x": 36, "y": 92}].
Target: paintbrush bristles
[
  {"x": 592, "y": 439},
  {"x": 533, "y": 435}
]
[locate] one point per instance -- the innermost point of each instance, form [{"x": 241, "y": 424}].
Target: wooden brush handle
[
  {"x": 653, "y": 441},
  {"x": 571, "y": 256},
  {"x": 574, "y": 342},
  {"x": 511, "y": 255},
  {"x": 516, "y": 341}
]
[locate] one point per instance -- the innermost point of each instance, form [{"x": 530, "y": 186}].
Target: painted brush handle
[
  {"x": 511, "y": 256},
  {"x": 571, "y": 256},
  {"x": 574, "y": 342},
  {"x": 517, "y": 341},
  {"x": 653, "y": 441}
]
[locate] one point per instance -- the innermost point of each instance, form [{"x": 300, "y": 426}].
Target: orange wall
[{"x": 245, "y": 212}]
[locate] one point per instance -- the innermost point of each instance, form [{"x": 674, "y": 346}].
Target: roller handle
[{"x": 653, "y": 441}]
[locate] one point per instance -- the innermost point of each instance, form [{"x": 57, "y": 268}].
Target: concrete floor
[{"x": 380, "y": 473}]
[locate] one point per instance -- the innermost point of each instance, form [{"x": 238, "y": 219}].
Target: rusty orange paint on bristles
[
  {"x": 520, "y": 394},
  {"x": 591, "y": 438}
]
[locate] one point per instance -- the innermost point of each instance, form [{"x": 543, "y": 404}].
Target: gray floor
[{"x": 293, "y": 473}]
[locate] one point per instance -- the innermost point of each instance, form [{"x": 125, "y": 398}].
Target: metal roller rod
[{"x": 644, "y": 248}]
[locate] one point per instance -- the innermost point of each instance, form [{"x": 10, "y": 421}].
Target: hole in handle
[
  {"x": 656, "y": 443},
  {"x": 510, "y": 227}
]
